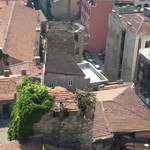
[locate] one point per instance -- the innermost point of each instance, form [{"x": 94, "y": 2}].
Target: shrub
[
  {"x": 85, "y": 98},
  {"x": 32, "y": 102}
]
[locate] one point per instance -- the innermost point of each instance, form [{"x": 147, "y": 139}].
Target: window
[
  {"x": 52, "y": 85},
  {"x": 70, "y": 83}
]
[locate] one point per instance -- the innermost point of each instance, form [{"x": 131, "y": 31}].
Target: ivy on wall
[
  {"x": 85, "y": 99},
  {"x": 32, "y": 102}
]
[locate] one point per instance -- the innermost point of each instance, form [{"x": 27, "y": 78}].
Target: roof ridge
[
  {"x": 141, "y": 23},
  {"x": 105, "y": 118},
  {"x": 9, "y": 22}
]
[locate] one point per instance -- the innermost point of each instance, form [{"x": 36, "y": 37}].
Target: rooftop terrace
[{"x": 92, "y": 74}]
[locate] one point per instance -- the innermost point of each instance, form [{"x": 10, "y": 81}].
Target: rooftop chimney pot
[
  {"x": 6, "y": 73},
  {"x": 23, "y": 72}
]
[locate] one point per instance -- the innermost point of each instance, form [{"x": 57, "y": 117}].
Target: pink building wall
[{"x": 96, "y": 23}]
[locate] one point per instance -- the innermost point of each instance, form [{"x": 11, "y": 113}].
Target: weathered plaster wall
[
  {"x": 96, "y": 22},
  {"x": 129, "y": 56},
  {"x": 62, "y": 80},
  {"x": 113, "y": 47},
  {"x": 62, "y": 40}
]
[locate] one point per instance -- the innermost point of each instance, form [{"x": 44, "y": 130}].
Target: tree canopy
[{"x": 32, "y": 102}]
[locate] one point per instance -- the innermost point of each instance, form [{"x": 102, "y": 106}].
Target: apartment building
[
  {"x": 94, "y": 16},
  {"x": 127, "y": 33},
  {"x": 143, "y": 75}
]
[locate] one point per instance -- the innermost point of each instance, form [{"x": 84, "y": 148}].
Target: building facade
[
  {"x": 94, "y": 16},
  {"x": 61, "y": 70},
  {"x": 127, "y": 33},
  {"x": 142, "y": 77}
]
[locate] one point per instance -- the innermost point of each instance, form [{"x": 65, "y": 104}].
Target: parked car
[
  {"x": 94, "y": 62},
  {"x": 101, "y": 54},
  {"x": 87, "y": 55}
]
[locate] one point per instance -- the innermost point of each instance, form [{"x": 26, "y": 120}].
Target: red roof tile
[
  {"x": 63, "y": 95},
  {"x": 31, "y": 69},
  {"x": 100, "y": 128},
  {"x": 8, "y": 87},
  {"x": 121, "y": 114},
  {"x": 140, "y": 23},
  {"x": 21, "y": 33},
  {"x": 5, "y": 11}
]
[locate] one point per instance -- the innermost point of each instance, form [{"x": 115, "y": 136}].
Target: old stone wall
[
  {"x": 65, "y": 9},
  {"x": 71, "y": 132},
  {"x": 65, "y": 38}
]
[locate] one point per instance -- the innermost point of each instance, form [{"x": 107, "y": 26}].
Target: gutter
[{"x": 109, "y": 137}]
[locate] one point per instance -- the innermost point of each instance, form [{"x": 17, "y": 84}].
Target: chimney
[
  {"x": 23, "y": 72},
  {"x": 147, "y": 11},
  {"x": 37, "y": 60},
  {"x": 6, "y": 73}
]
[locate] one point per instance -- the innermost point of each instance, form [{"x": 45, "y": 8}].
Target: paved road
[{"x": 3, "y": 131}]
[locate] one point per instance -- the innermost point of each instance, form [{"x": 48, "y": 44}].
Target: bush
[
  {"x": 85, "y": 98},
  {"x": 32, "y": 102}
]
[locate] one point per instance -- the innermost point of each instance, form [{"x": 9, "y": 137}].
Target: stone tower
[{"x": 64, "y": 127}]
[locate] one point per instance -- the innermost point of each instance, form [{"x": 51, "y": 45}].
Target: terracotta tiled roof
[
  {"x": 31, "y": 69},
  {"x": 109, "y": 92},
  {"x": 100, "y": 128},
  {"x": 63, "y": 95},
  {"x": 59, "y": 63},
  {"x": 123, "y": 120},
  {"x": 121, "y": 114},
  {"x": 5, "y": 11},
  {"x": 129, "y": 100},
  {"x": 18, "y": 29},
  {"x": 140, "y": 24},
  {"x": 8, "y": 84},
  {"x": 8, "y": 87}
]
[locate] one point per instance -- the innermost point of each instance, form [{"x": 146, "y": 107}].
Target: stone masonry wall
[{"x": 71, "y": 132}]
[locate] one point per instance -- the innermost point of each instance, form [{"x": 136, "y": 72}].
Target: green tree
[
  {"x": 85, "y": 98},
  {"x": 32, "y": 102}
]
